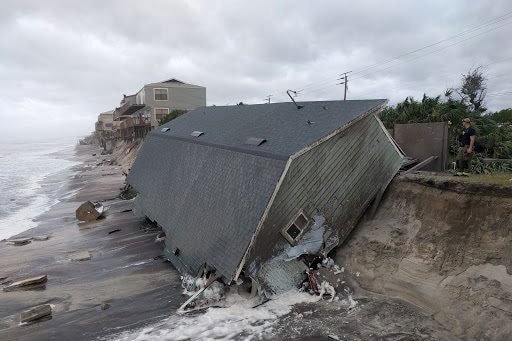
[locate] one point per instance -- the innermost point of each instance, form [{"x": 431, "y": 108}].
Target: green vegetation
[
  {"x": 494, "y": 129},
  {"x": 172, "y": 115}
]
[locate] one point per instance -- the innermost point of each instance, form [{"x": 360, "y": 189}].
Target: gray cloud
[{"x": 63, "y": 62}]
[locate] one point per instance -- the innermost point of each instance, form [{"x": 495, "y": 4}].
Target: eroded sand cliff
[{"x": 445, "y": 247}]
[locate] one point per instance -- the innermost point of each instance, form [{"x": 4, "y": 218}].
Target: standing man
[{"x": 466, "y": 145}]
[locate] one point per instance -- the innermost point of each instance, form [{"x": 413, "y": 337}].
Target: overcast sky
[{"x": 63, "y": 62}]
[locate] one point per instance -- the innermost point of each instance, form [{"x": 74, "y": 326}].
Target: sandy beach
[{"x": 126, "y": 273}]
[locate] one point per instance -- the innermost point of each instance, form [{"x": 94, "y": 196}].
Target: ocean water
[{"x": 33, "y": 177}]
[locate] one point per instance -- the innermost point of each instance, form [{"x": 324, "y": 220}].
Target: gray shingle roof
[
  {"x": 209, "y": 192},
  {"x": 286, "y": 129},
  {"x": 208, "y": 200}
]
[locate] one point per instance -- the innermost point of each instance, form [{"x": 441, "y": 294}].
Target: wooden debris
[
  {"x": 27, "y": 282},
  {"x": 40, "y": 238},
  {"x": 35, "y": 313},
  {"x": 19, "y": 242},
  {"x": 160, "y": 237},
  {"x": 89, "y": 211},
  {"x": 421, "y": 164},
  {"x": 199, "y": 292},
  {"x": 313, "y": 282},
  {"x": 114, "y": 231},
  {"x": 80, "y": 256}
]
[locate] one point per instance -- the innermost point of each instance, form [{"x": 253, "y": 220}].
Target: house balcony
[
  {"x": 125, "y": 110},
  {"x": 133, "y": 127}
]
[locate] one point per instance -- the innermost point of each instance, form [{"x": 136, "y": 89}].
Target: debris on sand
[
  {"x": 326, "y": 288},
  {"x": 209, "y": 295},
  {"x": 36, "y": 313},
  {"x": 80, "y": 256},
  {"x": 40, "y": 238},
  {"x": 328, "y": 279},
  {"x": 26, "y": 282},
  {"x": 18, "y": 242},
  {"x": 89, "y": 211},
  {"x": 160, "y": 237}
]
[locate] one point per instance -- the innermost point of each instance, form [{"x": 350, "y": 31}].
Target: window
[
  {"x": 161, "y": 94},
  {"x": 295, "y": 229},
  {"x": 160, "y": 113}
]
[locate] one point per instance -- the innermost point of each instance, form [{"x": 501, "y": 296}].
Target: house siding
[
  {"x": 179, "y": 97},
  {"x": 337, "y": 179}
]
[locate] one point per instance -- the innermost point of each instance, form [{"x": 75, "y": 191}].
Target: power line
[
  {"x": 490, "y": 22},
  {"x": 431, "y": 52},
  {"x": 344, "y": 82},
  {"x": 478, "y": 27}
]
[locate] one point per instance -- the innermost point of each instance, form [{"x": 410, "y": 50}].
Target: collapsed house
[{"x": 247, "y": 190}]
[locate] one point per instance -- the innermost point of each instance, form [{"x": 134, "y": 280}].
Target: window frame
[
  {"x": 161, "y": 100},
  {"x": 287, "y": 236},
  {"x": 155, "y": 109}
]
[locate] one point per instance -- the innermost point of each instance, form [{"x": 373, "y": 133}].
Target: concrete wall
[
  {"x": 422, "y": 140},
  {"x": 338, "y": 179}
]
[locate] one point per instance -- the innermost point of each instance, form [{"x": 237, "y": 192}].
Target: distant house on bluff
[
  {"x": 246, "y": 190},
  {"x": 139, "y": 113}
]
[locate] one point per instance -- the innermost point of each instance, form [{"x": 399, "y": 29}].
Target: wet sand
[{"x": 126, "y": 270}]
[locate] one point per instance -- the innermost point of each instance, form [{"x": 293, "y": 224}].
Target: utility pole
[
  {"x": 268, "y": 98},
  {"x": 344, "y": 78}
]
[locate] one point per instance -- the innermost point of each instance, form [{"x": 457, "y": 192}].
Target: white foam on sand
[{"x": 237, "y": 321}]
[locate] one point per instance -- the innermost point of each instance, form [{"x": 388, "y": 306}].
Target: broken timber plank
[
  {"x": 35, "y": 313},
  {"x": 18, "y": 242},
  {"x": 27, "y": 282},
  {"x": 421, "y": 164},
  {"x": 80, "y": 256},
  {"x": 199, "y": 292}
]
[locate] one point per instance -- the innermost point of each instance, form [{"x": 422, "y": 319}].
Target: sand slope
[{"x": 444, "y": 247}]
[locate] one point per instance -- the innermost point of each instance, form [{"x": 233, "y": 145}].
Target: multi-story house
[
  {"x": 144, "y": 110},
  {"x": 168, "y": 95},
  {"x": 104, "y": 127}
]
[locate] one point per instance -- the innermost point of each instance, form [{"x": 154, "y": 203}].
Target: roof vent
[
  {"x": 255, "y": 141},
  {"x": 165, "y": 129},
  {"x": 197, "y": 133}
]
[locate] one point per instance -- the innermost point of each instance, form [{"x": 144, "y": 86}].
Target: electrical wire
[{"x": 321, "y": 84}]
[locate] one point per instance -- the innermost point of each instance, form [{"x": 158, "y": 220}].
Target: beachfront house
[
  {"x": 168, "y": 95},
  {"x": 104, "y": 127},
  {"x": 143, "y": 111},
  {"x": 247, "y": 190}
]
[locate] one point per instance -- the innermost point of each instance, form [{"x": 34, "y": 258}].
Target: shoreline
[
  {"x": 126, "y": 270},
  {"x": 35, "y": 179}
]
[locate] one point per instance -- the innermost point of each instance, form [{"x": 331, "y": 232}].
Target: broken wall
[
  {"x": 337, "y": 180},
  {"x": 422, "y": 140}
]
